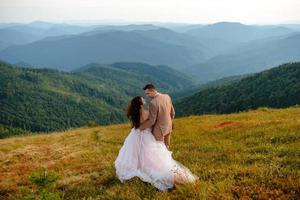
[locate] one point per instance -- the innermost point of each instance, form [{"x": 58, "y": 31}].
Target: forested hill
[
  {"x": 278, "y": 87},
  {"x": 48, "y": 100},
  {"x": 135, "y": 75}
]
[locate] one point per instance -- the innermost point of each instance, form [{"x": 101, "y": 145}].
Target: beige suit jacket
[{"x": 161, "y": 115}]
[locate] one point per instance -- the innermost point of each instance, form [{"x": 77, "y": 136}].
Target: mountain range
[
  {"x": 251, "y": 57},
  {"x": 70, "y": 52},
  {"x": 206, "y": 52},
  {"x": 57, "y": 76}
]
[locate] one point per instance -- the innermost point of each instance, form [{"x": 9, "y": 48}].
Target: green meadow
[{"x": 246, "y": 155}]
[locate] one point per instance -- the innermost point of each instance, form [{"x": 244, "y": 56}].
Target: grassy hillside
[
  {"x": 249, "y": 155},
  {"x": 51, "y": 100},
  {"x": 278, "y": 87}
]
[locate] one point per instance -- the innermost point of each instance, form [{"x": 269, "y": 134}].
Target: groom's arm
[
  {"x": 172, "y": 113},
  {"x": 151, "y": 119}
]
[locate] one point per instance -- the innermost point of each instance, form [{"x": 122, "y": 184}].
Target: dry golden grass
[{"x": 249, "y": 155}]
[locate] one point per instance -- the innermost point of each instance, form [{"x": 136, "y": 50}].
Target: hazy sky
[{"x": 193, "y": 11}]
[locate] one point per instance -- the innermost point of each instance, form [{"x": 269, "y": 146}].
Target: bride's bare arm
[
  {"x": 144, "y": 115},
  {"x": 152, "y": 117}
]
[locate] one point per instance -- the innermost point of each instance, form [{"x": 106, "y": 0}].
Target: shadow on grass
[{"x": 110, "y": 182}]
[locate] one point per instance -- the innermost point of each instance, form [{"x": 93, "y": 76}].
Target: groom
[{"x": 161, "y": 115}]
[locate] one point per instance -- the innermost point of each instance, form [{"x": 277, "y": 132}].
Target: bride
[{"x": 143, "y": 156}]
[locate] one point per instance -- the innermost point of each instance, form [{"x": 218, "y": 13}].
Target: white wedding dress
[{"x": 150, "y": 160}]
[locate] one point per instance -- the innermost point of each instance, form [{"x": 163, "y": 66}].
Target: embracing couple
[{"x": 145, "y": 152}]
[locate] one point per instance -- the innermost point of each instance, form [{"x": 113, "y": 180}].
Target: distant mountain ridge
[
  {"x": 115, "y": 46},
  {"x": 237, "y": 32},
  {"x": 251, "y": 57},
  {"x": 206, "y": 52}
]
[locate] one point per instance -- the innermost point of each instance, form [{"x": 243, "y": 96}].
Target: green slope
[
  {"x": 48, "y": 100},
  {"x": 278, "y": 87}
]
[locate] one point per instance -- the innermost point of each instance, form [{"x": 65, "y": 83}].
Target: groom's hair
[{"x": 149, "y": 87}]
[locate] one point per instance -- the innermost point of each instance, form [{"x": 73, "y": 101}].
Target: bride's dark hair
[{"x": 133, "y": 111}]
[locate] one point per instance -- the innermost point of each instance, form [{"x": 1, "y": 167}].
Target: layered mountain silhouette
[
  {"x": 251, "y": 57},
  {"x": 236, "y": 32},
  {"x": 17, "y": 34},
  {"x": 113, "y": 46},
  {"x": 208, "y": 52}
]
